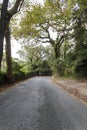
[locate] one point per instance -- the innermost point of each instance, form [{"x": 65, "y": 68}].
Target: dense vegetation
[{"x": 63, "y": 25}]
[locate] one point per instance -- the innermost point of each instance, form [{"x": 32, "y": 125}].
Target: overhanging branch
[{"x": 16, "y": 7}]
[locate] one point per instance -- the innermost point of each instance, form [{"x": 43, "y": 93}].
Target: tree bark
[
  {"x": 57, "y": 52},
  {"x": 2, "y": 27},
  {"x": 11, "y": 12},
  {"x": 1, "y": 47},
  {"x": 16, "y": 7},
  {"x": 8, "y": 55}
]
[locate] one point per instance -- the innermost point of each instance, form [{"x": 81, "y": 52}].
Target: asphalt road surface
[{"x": 39, "y": 104}]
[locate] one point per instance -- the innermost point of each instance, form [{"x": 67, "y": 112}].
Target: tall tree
[
  {"x": 53, "y": 23},
  {"x": 8, "y": 14},
  {"x": 39, "y": 21},
  {"x": 80, "y": 37}
]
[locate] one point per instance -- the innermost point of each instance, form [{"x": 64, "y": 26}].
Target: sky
[
  {"x": 40, "y": 1},
  {"x": 15, "y": 46}
]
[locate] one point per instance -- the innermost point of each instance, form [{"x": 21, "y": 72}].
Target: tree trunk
[
  {"x": 57, "y": 52},
  {"x": 5, "y": 32},
  {"x": 8, "y": 55},
  {"x": 2, "y": 31},
  {"x": 2, "y": 27},
  {"x": 1, "y": 48}
]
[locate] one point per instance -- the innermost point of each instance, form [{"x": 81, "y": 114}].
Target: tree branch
[
  {"x": 16, "y": 7},
  {"x": 45, "y": 41},
  {"x": 42, "y": 37}
]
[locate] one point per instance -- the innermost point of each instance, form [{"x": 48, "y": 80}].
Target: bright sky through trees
[{"x": 15, "y": 45}]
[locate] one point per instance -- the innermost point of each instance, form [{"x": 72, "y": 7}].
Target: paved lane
[{"x": 39, "y": 104}]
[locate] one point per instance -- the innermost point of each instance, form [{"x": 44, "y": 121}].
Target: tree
[
  {"x": 39, "y": 21},
  {"x": 57, "y": 22},
  {"x": 35, "y": 55},
  {"x": 8, "y": 14},
  {"x": 42, "y": 22},
  {"x": 80, "y": 37}
]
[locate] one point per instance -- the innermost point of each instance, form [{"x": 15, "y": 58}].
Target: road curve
[{"x": 39, "y": 104}]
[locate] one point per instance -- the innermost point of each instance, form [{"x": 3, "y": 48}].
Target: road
[{"x": 39, "y": 104}]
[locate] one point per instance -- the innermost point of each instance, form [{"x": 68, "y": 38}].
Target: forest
[{"x": 52, "y": 35}]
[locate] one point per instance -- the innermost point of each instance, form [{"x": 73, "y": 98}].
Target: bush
[
  {"x": 69, "y": 70},
  {"x": 18, "y": 76},
  {"x": 23, "y": 75},
  {"x": 2, "y": 78},
  {"x": 81, "y": 68},
  {"x": 58, "y": 68}
]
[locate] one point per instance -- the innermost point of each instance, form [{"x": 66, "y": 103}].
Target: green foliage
[
  {"x": 36, "y": 58},
  {"x": 81, "y": 68},
  {"x": 58, "y": 67},
  {"x": 81, "y": 64},
  {"x": 16, "y": 66},
  {"x": 2, "y": 78},
  {"x": 23, "y": 75},
  {"x": 18, "y": 76},
  {"x": 68, "y": 19}
]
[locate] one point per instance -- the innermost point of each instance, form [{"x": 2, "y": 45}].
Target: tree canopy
[
  {"x": 57, "y": 22},
  {"x": 62, "y": 24}
]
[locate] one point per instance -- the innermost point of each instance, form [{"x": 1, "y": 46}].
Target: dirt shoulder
[
  {"x": 77, "y": 88},
  {"x": 8, "y": 86}
]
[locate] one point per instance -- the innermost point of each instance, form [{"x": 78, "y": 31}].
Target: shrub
[
  {"x": 2, "y": 78},
  {"x": 58, "y": 68},
  {"x": 18, "y": 76},
  {"x": 23, "y": 75},
  {"x": 81, "y": 68}
]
